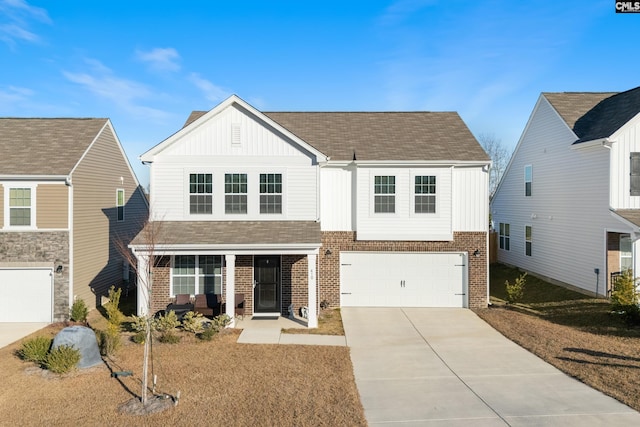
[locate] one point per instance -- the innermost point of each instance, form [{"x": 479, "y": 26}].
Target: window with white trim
[
  {"x": 20, "y": 211},
  {"x": 200, "y": 193},
  {"x": 270, "y": 193},
  {"x": 634, "y": 172},
  {"x": 528, "y": 179},
  {"x": 235, "y": 193},
  {"x": 120, "y": 203},
  {"x": 384, "y": 190},
  {"x": 196, "y": 274},
  {"x": 626, "y": 253},
  {"x": 425, "y": 194},
  {"x": 504, "y": 236},
  {"x": 527, "y": 240}
]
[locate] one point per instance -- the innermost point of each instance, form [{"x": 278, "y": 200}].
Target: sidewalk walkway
[{"x": 269, "y": 331}]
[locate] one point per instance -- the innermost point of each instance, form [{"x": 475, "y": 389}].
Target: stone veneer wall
[
  {"x": 336, "y": 241},
  {"x": 48, "y": 247}
]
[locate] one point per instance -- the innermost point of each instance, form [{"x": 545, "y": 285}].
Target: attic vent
[{"x": 235, "y": 133}]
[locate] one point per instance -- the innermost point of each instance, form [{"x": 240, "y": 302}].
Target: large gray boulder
[{"x": 82, "y": 338}]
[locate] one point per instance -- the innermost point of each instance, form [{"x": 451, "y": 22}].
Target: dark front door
[{"x": 266, "y": 278}]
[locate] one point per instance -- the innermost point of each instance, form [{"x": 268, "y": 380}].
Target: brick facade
[
  {"x": 49, "y": 248},
  {"x": 294, "y": 269}
]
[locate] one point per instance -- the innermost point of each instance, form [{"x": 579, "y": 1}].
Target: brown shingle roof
[
  {"x": 233, "y": 233},
  {"x": 394, "y": 136},
  {"x": 44, "y": 146},
  {"x": 595, "y": 115},
  {"x": 631, "y": 215}
]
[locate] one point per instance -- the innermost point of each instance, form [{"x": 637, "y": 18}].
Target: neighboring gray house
[
  {"x": 68, "y": 194},
  {"x": 568, "y": 205},
  {"x": 301, "y": 208}
]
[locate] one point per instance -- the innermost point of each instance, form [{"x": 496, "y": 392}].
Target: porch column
[
  {"x": 313, "y": 312},
  {"x": 144, "y": 284},
  {"x": 230, "y": 261}
]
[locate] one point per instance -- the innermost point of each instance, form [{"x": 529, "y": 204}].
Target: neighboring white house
[
  {"x": 299, "y": 209},
  {"x": 568, "y": 205}
]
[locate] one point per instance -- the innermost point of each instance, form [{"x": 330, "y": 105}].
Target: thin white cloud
[
  {"x": 160, "y": 59},
  {"x": 16, "y": 18},
  {"x": 128, "y": 95},
  {"x": 13, "y": 95},
  {"x": 211, "y": 91}
]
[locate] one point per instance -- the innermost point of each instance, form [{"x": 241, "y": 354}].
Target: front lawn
[
  {"x": 220, "y": 382},
  {"x": 576, "y": 333}
]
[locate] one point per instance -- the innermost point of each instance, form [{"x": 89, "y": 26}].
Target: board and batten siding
[
  {"x": 404, "y": 224},
  {"x": 337, "y": 198},
  {"x": 52, "y": 206},
  {"x": 97, "y": 262},
  {"x": 624, "y": 142},
  {"x": 470, "y": 195},
  {"x": 568, "y": 209}
]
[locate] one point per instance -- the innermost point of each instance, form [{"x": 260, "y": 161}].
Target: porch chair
[{"x": 182, "y": 303}]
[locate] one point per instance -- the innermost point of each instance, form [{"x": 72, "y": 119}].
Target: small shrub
[
  {"x": 114, "y": 315},
  {"x": 220, "y": 322},
  {"x": 192, "y": 322},
  {"x": 207, "y": 334},
  {"x": 515, "y": 290},
  {"x": 62, "y": 359},
  {"x": 109, "y": 340},
  {"x": 624, "y": 293},
  {"x": 79, "y": 311},
  {"x": 139, "y": 323},
  {"x": 140, "y": 337},
  {"x": 169, "y": 337},
  {"x": 35, "y": 350},
  {"x": 166, "y": 322},
  {"x": 630, "y": 315}
]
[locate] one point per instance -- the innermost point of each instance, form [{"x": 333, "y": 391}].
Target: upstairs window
[
  {"x": 235, "y": 190},
  {"x": 20, "y": 207},
  {"x": 635, "y": 174},
  {"x": 527, "y": 240},
  {"x": 384, "y": 190},
  {"x": 120, "y": 203},
  {"x": 504, "y": 236},
  {"x": 270, "y": 193},
  {"x": 200, "y": 193},
  {"x": 425, "y": 194},
  {"x": 528, "y": 177}
]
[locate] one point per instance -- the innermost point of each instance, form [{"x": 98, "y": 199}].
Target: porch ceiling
[{"x": 230, "y": 233}]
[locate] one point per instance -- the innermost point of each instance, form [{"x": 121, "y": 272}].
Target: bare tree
[{"x": 499, "y": 157}]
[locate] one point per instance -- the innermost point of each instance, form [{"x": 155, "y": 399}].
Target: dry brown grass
[
  {"x": 575, "y": 333},
  {"x": 221, "y": 383},
  {"x": 329, "y": 323}
]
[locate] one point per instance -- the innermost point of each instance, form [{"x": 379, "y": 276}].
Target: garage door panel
[
  {"x": 401, "y": 279},
  {"x": 25, "y": 295}
]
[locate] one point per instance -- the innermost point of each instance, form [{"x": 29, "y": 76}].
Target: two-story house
[
  {"x": 68, "y": 195},
  {"x": 298, "y": 209},
  {"x": 568, "y": 206}
]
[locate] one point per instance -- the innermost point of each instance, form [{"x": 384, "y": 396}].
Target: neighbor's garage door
[
  {"x": 402, "y": 279},
  {"x": 25, "y": 295}
]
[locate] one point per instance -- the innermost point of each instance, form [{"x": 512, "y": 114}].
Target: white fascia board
[
  {"x": 208, "y": 249},
  {"x": 233, "y": 99},
  {"x": 588, "y": 144}
]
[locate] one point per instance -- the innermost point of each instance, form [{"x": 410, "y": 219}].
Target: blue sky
[{"x": 147, "y": 64}]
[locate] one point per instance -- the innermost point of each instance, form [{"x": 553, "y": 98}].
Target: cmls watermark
[{"x": 628, "y": 7}]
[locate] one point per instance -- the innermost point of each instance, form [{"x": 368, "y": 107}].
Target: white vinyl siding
[
  {"x": 470, "y": 198},
  {"x": 570, "y": 209},
  {"x": 624, "y": 142},
  {"x": 337, "y": 203}
]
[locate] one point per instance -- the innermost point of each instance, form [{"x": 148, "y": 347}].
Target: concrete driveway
[
  {"x": 447, "y": 367},
  {"x": 11, "y": 332}
]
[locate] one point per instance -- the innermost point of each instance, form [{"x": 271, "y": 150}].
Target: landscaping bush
[
  {"x": 192, "y": 322},
  {"x": 109, "y": 340},
  {"x": 114, "y": 315},
  {"x": 139, "y": 323},
  {"x": 165, "y": 324},
  {"x": 624, "y": 293},
  {"x": 35, "y": 350},
  {"x": 62, "y": 359},
  {"x": 169, "y": 338},
  {"x": 79, "y": 311},
  {"x": 208, "y": 333},
  {"x": 140, "y": 337},
  {"x": 515, "y": 290},
  {"x": 220, "y": 322}
]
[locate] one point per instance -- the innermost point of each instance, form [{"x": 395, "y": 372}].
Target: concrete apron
[
  {"x": 11, "y": 332},
  {"x": 431, "y": 366}
]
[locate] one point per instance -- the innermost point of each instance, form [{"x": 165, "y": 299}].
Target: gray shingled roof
[
  {"x": 394, "y": 136},
  {"x": 44, "y": 146},
  {"x": 595, "y": 115},
  {"x": 233, "y": 233}
]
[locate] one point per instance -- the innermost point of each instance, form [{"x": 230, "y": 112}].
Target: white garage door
[
  {"x": 403, "y": 279},
  {"x": 26, "y": 295}
]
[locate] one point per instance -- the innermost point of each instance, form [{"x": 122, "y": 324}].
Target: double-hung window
[
  {"x": 504, "y": 236},
  {"x": 384, "y": 189},
  {"x": 626, "y": 253},
  {"x": 200, "y": 193},
  {"x": 527, "y": 240},
  {"x": 635, "y": 174},
  {"x": 270, "y": 193},
  {"x": 120, "y": 203},
  {"x": 20, "y": 207},
  {"x": 197, "y": 274},
  {"x": 425, "y": 194},
  {"x": 235, "y": 193},
  {"x": 528, "y": 179}
]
